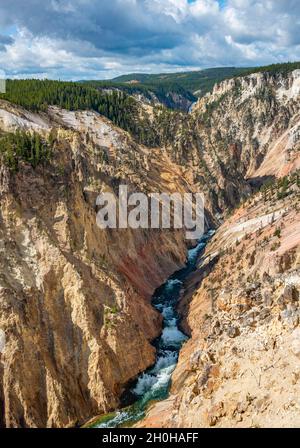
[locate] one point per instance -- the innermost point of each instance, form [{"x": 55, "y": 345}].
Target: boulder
[
  {"x": 232, "y": 332},
  {"x": 295, "y": 342}
]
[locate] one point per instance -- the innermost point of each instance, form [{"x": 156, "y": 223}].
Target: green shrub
[
  {"x": 23, "y": 146},
  {"x": 277, "y": 233}
]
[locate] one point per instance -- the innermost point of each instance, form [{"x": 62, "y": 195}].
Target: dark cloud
[
  {"x": 114, "y": 25},
  {"x": 5, "y": 40}
]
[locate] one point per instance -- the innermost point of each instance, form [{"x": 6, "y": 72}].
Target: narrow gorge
[{"x": 153, "y": 384}]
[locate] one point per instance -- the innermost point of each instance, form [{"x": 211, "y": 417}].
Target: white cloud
[{"x": 87, "y": 38}]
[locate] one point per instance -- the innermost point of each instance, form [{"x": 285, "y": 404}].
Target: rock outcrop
[
  {"x": 74, "y": 299},
  {"x": 245, "y": 132},
  {"x": 241, "y": 366},
  {"x": 255, "y": 121}
]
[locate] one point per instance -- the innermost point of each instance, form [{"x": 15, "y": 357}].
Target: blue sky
[{"x": 97, "y": 39}]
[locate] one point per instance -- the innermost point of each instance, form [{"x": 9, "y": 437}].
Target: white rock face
[
  {"x": 286, "y": 88},
  {"x": 28, "y": 121},
  {"x": 293, "y": 90},
  {"x": 222, "y": 88},
  {"x": 100, "y": 129},
  {"x": 2, "y": 341}
]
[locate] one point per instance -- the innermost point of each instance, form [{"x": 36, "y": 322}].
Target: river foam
[{"x": 154, "y": 383}]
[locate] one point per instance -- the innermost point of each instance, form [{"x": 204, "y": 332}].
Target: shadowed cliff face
[{"x": 75, "y": 299}]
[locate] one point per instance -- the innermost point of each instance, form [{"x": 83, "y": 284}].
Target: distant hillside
[
  {"x": 174, "y": 90},
  {"x": 181, "y": 90},
  {"x": 198, "y": 83}
]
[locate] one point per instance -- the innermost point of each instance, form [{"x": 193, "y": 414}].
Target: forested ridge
[
  {"x": 118, "y": 106},
  {"x": 274, "y": 69},
  {"x": 195, "y": 83},
  {"x": 37, "y": 95},
  {"x": 163, "y": 91},
  {"x": 176, "y": 90}
]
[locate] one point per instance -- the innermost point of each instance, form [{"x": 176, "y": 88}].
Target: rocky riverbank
[{"x": 241, "y": 366}]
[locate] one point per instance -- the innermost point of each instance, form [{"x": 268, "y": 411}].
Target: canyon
[
  {"x": 75, "y": 300},
  {"x": 240, "y": 367}
]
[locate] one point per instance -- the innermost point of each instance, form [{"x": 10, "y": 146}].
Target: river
[{"x": 153, "y": 384}]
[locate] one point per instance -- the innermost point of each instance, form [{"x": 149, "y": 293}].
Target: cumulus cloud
[{"x": 99, "y": 39}]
